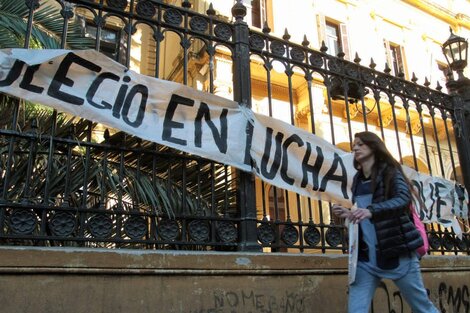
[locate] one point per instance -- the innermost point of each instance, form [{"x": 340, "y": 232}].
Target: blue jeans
[{"x": 411, "y": 286}]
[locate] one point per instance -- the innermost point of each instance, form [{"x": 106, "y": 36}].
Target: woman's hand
[
  {"x": 359, "y": 214},
  {"x": 340, "y": 211}
]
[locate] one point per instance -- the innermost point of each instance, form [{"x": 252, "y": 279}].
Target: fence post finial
[{"x": 239, "y": 10}]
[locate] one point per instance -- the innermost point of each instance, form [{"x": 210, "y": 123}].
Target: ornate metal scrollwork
[
  {"x": 277, "y": 48},
  {"x": 409, "y": 89},
  {"x": 199, "y": 230},
  {"x": 227, "y": 231},
  {"x": 158, "y": 36},
  {"x": 466, "y": 240},
  {"x": 335, "y": 66},
  {"x": 333, "y": 237},
  {"x": 223, "y": 31},
  {"x": 23, "y": 222},
  {"x": 145, "y": 9},
  {"x": 266, "y": 233},
  {"x": 462, "y": 244},
  {"x": 312, "y": 236},
  {"x": 434, "y": 241},
  {"x": 198, "y": 24},
  {"x": 290, "y": 235},
  {"x": 383, "y": 81},
  {"x": 63, "y": 224},
  {"x": 168, "y": 229},
  {"x": 297, "y": 54},
  {"x": 435, "y": 97},
  {"x": 316, "y": 59},
  {"x": 185, "y": 43},
  {"x": 448, "y": 242},
  {"x": 211, "y": 52},
  {"x": 135, "y": 227},
  {"x": 351, "y": 70},
  {"x": 422, "y": 93},
  {"x": 173, "y": 17},
  {"x": 118, "y": 4},
  {"x": 396, "y": 85},
  {"x": 100, "y": 226},
  {"x": 368, "y": 76},
  {"x": 256, "y": 42}
]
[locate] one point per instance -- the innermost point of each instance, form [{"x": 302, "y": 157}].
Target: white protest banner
[
  {"x": 294, "y": 159},
  {"x": 88, "y": 84},
  {"x": 443, "y": 201}
]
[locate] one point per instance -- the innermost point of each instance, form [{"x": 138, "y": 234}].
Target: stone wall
[{"x": 68, "y": 280}]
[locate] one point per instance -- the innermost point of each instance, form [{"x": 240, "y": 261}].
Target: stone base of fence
[{"x": 41, "y": 280}]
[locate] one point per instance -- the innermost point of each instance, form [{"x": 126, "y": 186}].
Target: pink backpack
[{"x": 423, "y": 250}]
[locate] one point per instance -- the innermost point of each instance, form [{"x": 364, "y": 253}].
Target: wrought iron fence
[{"x": 70, "y": 182}]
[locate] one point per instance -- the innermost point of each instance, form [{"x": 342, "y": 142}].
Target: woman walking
[{"x": 387, "y": 237}]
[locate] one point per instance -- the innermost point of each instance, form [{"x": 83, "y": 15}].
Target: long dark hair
[{"x": 383, "y": 158}]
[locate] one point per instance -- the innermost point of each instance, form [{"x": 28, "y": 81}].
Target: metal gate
[{"x": 71, "y": 182}]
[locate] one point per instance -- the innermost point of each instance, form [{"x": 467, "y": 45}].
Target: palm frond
[
  {"x": 138, "y": 183},
  {"x": 7, "y": 39},
  {"x": 47, "y": 28}
]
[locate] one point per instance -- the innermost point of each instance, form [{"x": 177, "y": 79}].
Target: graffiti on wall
[
  {"x": 251, "y": 301},
  {"x": 448, "y": 298},
  {"x": 451, "y": 299}
]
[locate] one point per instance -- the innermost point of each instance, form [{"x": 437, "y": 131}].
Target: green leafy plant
[
  {"x": 122, "y": 169},
  {"x": 46, "y": 31}
]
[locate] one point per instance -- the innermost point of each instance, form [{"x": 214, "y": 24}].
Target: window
[
  {"x": 332, "y": 38},
  {"x": 258, "y": 13},
  {"x": 335, "y": 36},
  {"x": 261, "y": 13},
  {"x": 395, "y": 57},
  {"x": 112, "y": 40}
]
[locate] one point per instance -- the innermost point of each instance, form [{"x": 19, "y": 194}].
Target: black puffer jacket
[{"x": 396, "y": 233}]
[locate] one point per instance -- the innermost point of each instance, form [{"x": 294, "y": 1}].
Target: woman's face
[{"x": 362, "y": 152}]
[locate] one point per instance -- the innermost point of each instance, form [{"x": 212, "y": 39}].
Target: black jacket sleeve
[{"x": 396, "y": 203}]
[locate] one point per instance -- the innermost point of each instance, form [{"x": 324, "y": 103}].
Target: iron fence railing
[{"x": 70, "y": 182}]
